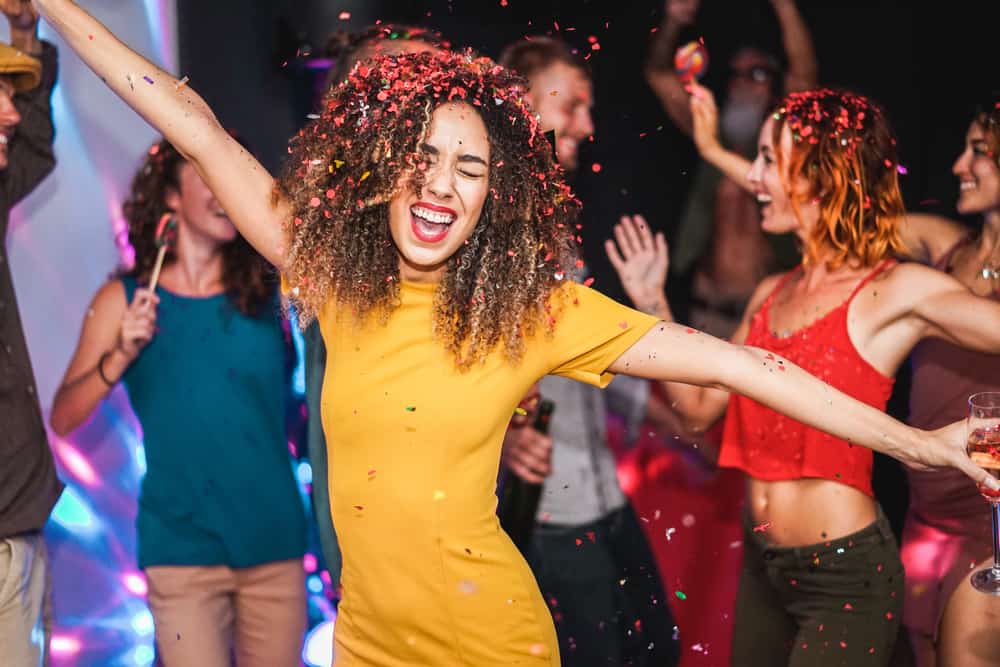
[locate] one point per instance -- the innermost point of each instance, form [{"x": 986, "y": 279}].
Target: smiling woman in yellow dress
[{"x": 423, "y": 221}]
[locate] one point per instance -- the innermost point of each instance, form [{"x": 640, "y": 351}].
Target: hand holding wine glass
[{"x": 984, "y": 450}]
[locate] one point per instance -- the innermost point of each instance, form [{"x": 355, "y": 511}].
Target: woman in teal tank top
[{"x": 221, "y": 527}]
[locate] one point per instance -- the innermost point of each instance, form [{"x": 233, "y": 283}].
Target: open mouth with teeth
[
  {"x": 763, "y": 201},
  {"x": 431, "y": 223},
  {"x": 965, "y": 186}
]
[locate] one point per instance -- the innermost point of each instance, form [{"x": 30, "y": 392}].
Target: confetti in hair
[
  {"x": 843, "y": 146},
  {"x": 346, "y": 165}
]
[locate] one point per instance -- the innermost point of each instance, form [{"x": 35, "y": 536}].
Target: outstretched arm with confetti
[
  {"x": 673, "y": 352},
  {"x": 239, "y": 181}
]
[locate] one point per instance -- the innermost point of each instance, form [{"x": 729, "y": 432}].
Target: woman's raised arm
[{"x": 239, "y": 181}]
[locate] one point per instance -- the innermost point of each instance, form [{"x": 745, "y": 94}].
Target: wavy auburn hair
[
  {"x": 246, "y": 277},
  {"x": 843, "y": 146},
  {"x": 345, "y": 167}
]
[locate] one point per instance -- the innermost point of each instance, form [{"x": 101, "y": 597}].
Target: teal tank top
[{"x": 209, "y": 391}]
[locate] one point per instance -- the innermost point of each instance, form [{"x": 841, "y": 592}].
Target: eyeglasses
[{"x": 757, "y": 74}]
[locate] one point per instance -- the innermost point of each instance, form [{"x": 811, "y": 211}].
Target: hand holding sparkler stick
[{"x": 166, "y": 236}]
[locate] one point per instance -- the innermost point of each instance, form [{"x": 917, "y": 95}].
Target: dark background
[{"x": 928, "y": 65}]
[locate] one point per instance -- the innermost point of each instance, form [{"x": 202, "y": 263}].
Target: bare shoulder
[
  {"x": 110, "y": 299},
  {"x": 928, "y": 237},
  {"x": 910, "y": 281},
  {"x": 763, "y": 290}
]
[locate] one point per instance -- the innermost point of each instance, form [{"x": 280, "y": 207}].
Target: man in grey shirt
[{"x": 587, "y": 551}]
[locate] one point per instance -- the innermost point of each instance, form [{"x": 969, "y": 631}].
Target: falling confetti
[
  {"x": 680, "y": 595},
  {"x": 344, "y": 16}
]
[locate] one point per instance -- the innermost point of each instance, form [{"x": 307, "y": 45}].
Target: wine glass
[{"x": 984, "y": 449}]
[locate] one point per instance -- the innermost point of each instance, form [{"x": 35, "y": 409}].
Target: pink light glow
[
  {"x": 309, "y": 563},
  {"x": 63, "y": 645},
  {"x": 76, "y": 463},
  {"x": 135, "y": 583}
]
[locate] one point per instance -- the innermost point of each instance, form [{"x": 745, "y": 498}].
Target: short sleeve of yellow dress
[{"x": 429, "y": 578}]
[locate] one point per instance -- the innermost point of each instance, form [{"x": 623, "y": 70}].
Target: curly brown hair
[
  {"x": 247, "y": 278},
  {"x": 346, "y": 166},
  {"x": 843, "y": 145}
]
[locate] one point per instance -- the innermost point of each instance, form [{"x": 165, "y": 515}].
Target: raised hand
[
  {"x": 641, "y": 260},
  {"x": 681, "y": 12},
  {"x": 21, "y": 14},
  {"x": 704, "y": 119},
  {"x": 138, "y": 324}
]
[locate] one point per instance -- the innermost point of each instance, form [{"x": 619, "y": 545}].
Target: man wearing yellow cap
[{"x": 29, "y": 487}]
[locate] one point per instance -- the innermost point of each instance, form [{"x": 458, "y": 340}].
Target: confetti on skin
[
  {"x": 147, "y": 80},
  {"x": 180, "y": 84},
  {"x": 690, "y": 330},
  {"x": 762, "y": 527}
]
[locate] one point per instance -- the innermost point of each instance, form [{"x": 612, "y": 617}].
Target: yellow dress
[{"x": 429, "y": 578}]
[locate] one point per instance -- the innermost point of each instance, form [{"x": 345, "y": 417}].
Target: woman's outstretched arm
[
  {"x": 674, "y": 352},
  {"x": 239, "y": 181}
]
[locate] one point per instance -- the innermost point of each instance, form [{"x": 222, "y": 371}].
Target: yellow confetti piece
[
  {"x": 520, "y": 411},
  {"x": 365, "y": 175},
  {"x": 338, "y": 163}
]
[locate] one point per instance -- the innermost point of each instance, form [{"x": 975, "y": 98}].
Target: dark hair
[
  {"x": 246, "y": 276},
  {"x": 346, "y": 48},
  {"x": 531, "y": 55},
  {"x": 347, "y": 165},
  {"x": 987, "y": 116}
]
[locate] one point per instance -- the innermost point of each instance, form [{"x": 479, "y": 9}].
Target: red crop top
[{"x": 770, "y": 446}]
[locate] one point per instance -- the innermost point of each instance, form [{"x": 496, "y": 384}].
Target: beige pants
[
  {"x": 205, "y": 615},
  {"x": 25, "y": 608}
]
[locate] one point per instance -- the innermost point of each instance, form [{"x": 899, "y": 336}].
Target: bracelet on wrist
[{"x": 100, "y": 369}]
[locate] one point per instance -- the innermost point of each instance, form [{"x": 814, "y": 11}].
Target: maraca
[
  {"x": 691, "y": 61},
  {"x": 166, "y": 235}
]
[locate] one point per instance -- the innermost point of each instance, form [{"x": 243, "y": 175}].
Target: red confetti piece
[
  {"x": 579, "y": 541},
  {"x": 762, "y": 527},
  {"x": 588, "y": 282},
  {"x": 848, "y": 606},
  {"x": 344, "y": 16},
  {"x": 690, "y": 330},
  {"x": 596, "y": 167}
]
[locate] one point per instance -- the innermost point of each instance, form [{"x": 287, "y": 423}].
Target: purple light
[{"x": 135, "y": 583}]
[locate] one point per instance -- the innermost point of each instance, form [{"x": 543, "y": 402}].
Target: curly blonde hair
[
  {"x": 843, "y": 146},
  {"x": 346, "y": 165}
]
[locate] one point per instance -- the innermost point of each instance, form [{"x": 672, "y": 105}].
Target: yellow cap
[{"x": 25, "y": 71}]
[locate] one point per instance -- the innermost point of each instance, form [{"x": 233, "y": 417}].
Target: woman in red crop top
[{"x": 822, "y": 582}]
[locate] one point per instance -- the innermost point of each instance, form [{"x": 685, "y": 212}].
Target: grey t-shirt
[{"x": 583, "y": 486}]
